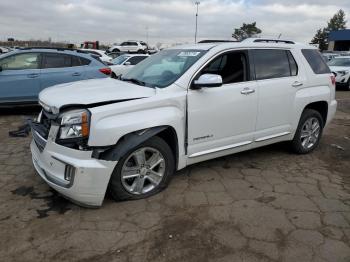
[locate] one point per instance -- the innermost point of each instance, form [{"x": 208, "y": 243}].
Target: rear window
[
  {"x": 271, "y": 63},
  {"x": 317, "y": 64}
]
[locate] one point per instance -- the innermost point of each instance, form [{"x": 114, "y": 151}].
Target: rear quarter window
[{"x": 316, "y": 62}]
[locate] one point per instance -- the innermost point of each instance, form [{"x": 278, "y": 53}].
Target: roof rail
[
  {"x": 53, "y": 48},
  {"x": 268, "y": 40},
  {"x": 216, "y": 41}
]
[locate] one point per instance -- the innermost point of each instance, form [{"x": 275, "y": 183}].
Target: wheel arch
[
  {"x": 321, "y": 107},
  {"x": 134, "y": 139}
]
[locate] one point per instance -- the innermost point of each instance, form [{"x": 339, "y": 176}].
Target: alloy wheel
[
  {"x": 310, "y": 132},
  {"x": 143, "y": 170}
]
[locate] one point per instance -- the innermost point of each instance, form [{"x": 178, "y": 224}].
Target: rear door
[
  {"x": 60, "y": 68},
  {"x": 20, "y": 78},
  {"x": 278, "y": 79}
]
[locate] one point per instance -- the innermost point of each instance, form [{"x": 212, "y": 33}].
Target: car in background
[
  {"x": 130, "y": 46},
  {"x": 122, "y": 64},
  {"x": 25, "y": 72},
  {"x": 4, "y": 50},
  {"x": 329, "y": 56},
  {"x": 340, "y": 67},
  {"x": 116, "y": 54},
  {"x": 101, "y": 55}
]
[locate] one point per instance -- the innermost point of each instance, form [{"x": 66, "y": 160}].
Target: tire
[
  {"x": 140, "y": 51},
  {"x": 115, "y": 50},
  {"x": 120, "y": 187},
  {"x": 113, "y": 75},
  {"x": 300, "y": 143}
]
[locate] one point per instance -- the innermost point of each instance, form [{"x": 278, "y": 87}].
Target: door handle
[
  {"x": 76, "y": 74},
  {"x": 297, "y": 84},
  {"x": 247, "y": 91},
  {"x": 32, "y": 75}
]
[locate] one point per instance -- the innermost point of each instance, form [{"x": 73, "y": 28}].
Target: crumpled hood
[
  {"x": 339, "y": 68},
  {"x": 92, "y": 91}
]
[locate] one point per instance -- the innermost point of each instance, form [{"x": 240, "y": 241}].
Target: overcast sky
[{"x": 168, "y": 21}]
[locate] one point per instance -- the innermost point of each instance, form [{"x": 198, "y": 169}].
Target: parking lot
[{"x": 262, "y": 205}]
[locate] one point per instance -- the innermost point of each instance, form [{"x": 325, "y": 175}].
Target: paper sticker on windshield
[{"x": 188, "y": 53}]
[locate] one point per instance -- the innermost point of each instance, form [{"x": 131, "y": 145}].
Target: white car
[
  {"x": 130, "y": 46},
  {"x": 101, "y": 54},
  {"x": 122, "y": 64},
  {"x": 340, "y": 66},
  {"x": 4, "y": 50},
  {"x": 178, "y": 107}
]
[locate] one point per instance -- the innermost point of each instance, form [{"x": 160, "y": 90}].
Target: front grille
[
  {"x": 39, "y": 140},
  {"x": 41, "y": 130}
]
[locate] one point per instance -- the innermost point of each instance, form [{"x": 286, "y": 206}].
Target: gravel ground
[{"x": 262, "y": 205}]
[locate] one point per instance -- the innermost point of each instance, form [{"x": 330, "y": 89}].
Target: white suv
[
  {"x": 130, "y": 47},
  {"x": 180, "y": 106},
  {"x": 340, "y": 67}
]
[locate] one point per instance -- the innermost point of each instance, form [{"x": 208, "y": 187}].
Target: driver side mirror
[
  {"x": 207, "y": 80},
  {"x": 127, "y": 63}
]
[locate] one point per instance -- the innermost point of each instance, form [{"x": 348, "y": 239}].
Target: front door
[
  {"x": 20, "y": 78},
  {"x": 222, "y": 120}
]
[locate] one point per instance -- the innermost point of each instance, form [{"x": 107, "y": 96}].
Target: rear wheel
[
  {"x": 143, "y": 171},
  {"x": 308, "y": 134},
  {"x": 115, "y": 50}
]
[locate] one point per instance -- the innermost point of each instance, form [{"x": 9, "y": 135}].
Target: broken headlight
[{"x": 75, "y": 124}]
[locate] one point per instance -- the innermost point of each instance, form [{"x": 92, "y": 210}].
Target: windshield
[
  {"x": 164, "y": 68},
  {"x": 339, "y": 62},
  {"x": 120, "y": 59}
]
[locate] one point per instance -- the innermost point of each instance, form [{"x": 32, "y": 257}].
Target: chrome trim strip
[
  {"x": 214, "y": 150},
  {"x": 271, "y": 136}
]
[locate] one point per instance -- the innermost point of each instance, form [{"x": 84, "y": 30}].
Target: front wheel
[
  {"x": 308, "y": 134},
  {"x": 143, "y": 171}
]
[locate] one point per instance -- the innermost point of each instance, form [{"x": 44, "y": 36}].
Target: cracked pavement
[{"x": 262, "y": 205}]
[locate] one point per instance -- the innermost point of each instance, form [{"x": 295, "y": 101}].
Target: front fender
[{"x": 107, "y": 130}]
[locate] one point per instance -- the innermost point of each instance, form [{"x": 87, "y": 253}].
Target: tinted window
[
  {"x": 20, "y": 62},
  {"x": 84, "y": 61},
  {"x": 125, "y": 43},
  {"x": 270, "y": 63},
  {"x": 231, "y": 66},
  {"x": 56, "y": 61},
  {"x": 136, "y": 59},
  {"x": 293, "y": 64},
  {"x": 133, "y": 43},
  {"x": 75, "y": 61},
  {"x": 314, "y": 58}
]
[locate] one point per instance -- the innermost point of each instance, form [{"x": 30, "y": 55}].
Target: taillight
[
  {"x": 106, "y": 71},
  {"x": 333, "y": 79}
]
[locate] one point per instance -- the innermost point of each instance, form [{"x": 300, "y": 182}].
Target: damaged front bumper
[{"x": 73, "y": 173}]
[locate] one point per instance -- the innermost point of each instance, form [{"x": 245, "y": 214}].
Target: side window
[
  {"x": 124, "y": 43},
  {"x": 84, "y": 61},
  {"x": 133, "y": 44},
  {"x": 75, "y": 61},
  {"x": 293, "y": 65},
  {"x": 56, "y": 61},
  {"x": 231, "y": 66},
  {"x": 136, "y": 59},
  {"x": 271, "y": 63},
  {"x": 21, "y": 62},
  {"x": 317, "y": 64}
]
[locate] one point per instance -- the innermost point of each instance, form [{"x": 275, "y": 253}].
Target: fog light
[{"x": 69, "y": 172}]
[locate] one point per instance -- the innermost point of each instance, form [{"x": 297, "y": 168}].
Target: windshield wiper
[{"x": 135, "y": 81}]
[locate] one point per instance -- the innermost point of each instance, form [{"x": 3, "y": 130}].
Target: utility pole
[{"x": 195, "y": 34}]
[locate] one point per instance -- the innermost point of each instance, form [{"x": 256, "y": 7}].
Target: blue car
[{"x": 25, "y": 72}]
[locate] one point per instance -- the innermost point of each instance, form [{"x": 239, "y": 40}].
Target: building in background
[{"x": 339, "y": 40}]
